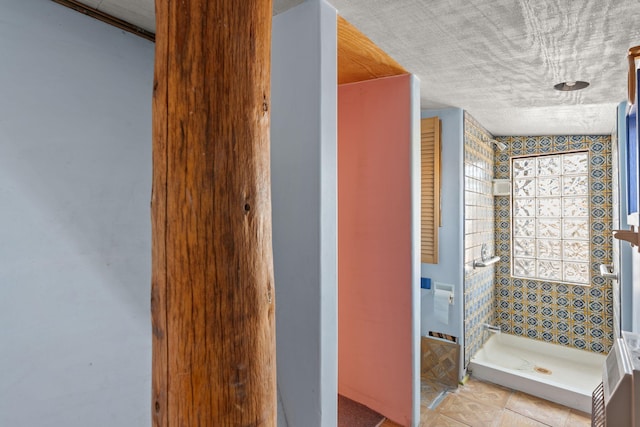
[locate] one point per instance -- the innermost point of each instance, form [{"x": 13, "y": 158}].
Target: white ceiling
[{"x": 497, "y": 59}]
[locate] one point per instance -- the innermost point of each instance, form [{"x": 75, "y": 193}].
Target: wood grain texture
[
  {"x": 360, "y": 59},
  {"x": 440, "y": 361},
  {"x": 634, "y": 53},
  {"x": 430, "y": 220},
  {"x": 212, "y": 281},
  {"x": 159, "y": 405}
]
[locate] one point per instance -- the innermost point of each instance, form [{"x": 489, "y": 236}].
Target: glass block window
[{"x": 550, "y": 218}]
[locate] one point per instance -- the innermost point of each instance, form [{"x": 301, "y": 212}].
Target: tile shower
[
  {"x": 479, "y": 303},
  {"x": 570, "y": 315}
]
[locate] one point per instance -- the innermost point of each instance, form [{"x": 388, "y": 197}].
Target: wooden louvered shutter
[{"x": 430, "y": 188}]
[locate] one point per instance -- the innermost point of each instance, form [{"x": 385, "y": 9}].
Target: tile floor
[{"x": 482, "y": 404}]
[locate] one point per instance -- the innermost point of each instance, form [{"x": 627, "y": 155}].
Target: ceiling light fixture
[{"x": 571, "y": 85}]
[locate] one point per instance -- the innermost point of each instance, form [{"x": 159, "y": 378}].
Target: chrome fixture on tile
[
  {"x": 486, "y": 260},
  {"x": 606, "y": 271},
  {"x": 491, "y": 328},
  {"x": 501, "y": 146}
]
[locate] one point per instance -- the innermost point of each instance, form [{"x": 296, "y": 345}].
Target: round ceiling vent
[{"x": 571, "y": 85}]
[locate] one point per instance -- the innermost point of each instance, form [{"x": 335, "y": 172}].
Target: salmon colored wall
[{"x": 374, "y": 245}]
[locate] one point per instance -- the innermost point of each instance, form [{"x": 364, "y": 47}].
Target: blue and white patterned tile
[{"x": 565, "y": 303}]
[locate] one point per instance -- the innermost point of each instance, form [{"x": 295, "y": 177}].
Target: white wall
[
  {"x": 303, "y": 160},
  {"x": 75, "y": 169},
  {"x": 450, "y": 267}
]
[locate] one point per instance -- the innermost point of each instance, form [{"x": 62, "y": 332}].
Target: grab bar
[
  {"x": 486, "y": 263},
  {"x": 606, "y": 271}
]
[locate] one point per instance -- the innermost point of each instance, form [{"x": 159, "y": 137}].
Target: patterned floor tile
[
  {"x": 484, "y": 404},
  {"x": 429, "y": 390},
  {"x": 513, "y": 419},
  {"x": 439, "y": 420},
  {"x": 578, "y": 419},
  {"x": 485, "y": 392},
  {"x": 538, "y": 409},
  {"x": 469, "y": 412}
]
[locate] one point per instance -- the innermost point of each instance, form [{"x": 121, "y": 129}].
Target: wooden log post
[{"x": 212, "y": 297}]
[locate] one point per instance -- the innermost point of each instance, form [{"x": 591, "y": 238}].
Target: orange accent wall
[{"x": 374, "y": 245}]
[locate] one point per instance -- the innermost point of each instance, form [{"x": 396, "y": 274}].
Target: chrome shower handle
[{"x": 606, "y": 271}]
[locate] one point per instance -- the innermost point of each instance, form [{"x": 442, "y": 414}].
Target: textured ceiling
[{"x": 497, "y": 59}]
